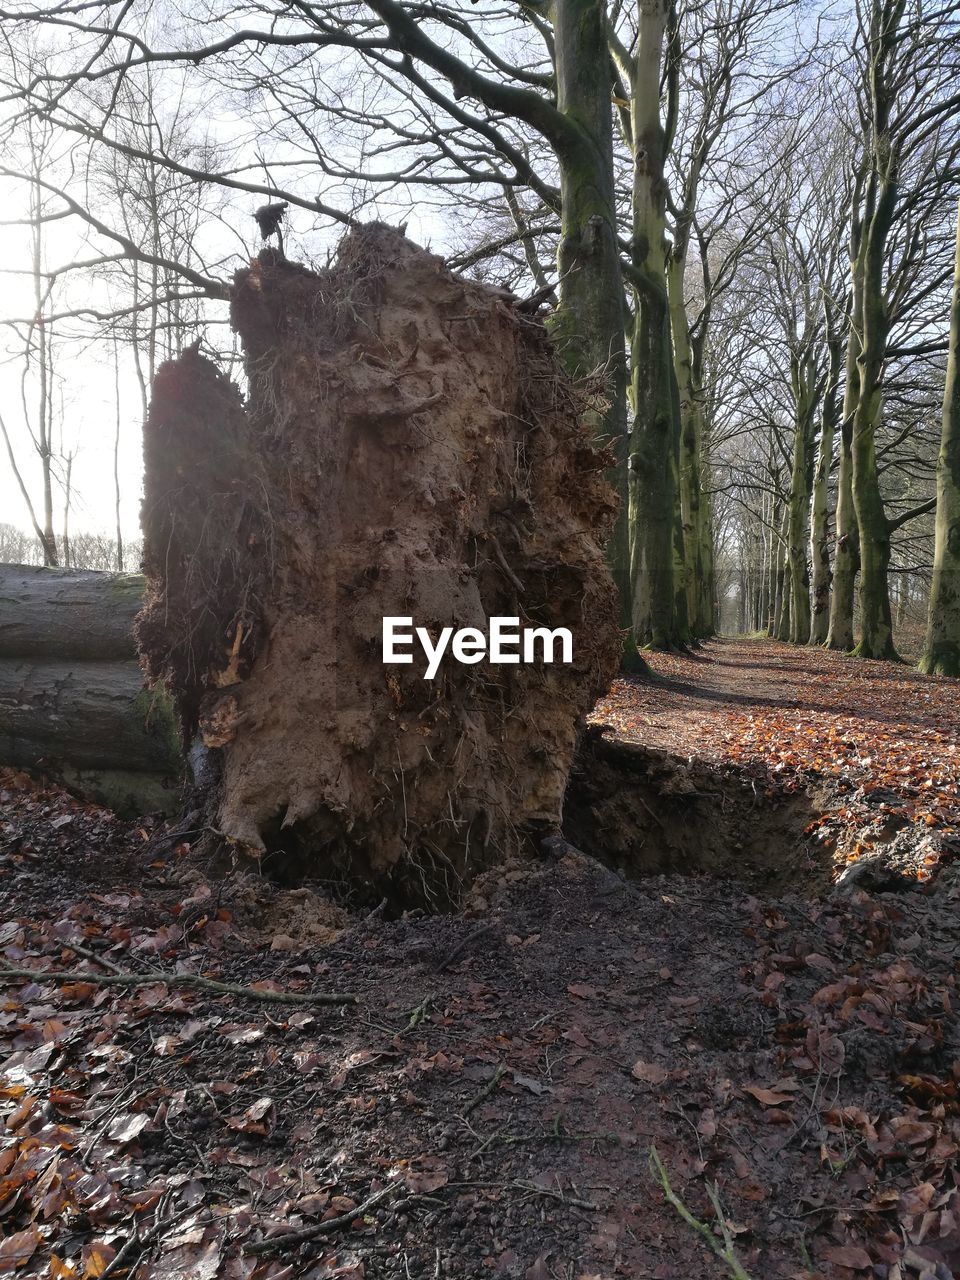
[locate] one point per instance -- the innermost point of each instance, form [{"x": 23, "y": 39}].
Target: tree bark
[
  {"x": 589, "y": 324},
  {"x": 819, "y": 540},
  {"x": 655, "y": 434},
  {"x": 780, "y": 614},
  {"x": 941, "y": 654},
  {"x": 69, "y": 614},
  {"x": 881, "y": 185},
  {"x": 876, "y": 621},
  {"x": 802, "y": 376},
  {"x": 695, "y": 520},
  {"x": 90, "y": 715},
  {"x": 846, "y": 554}
]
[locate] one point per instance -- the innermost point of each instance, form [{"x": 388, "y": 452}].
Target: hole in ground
[{"x": 645, "y": 812}]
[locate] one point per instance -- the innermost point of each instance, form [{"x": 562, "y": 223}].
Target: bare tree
[{"x": 941, "y": 653}]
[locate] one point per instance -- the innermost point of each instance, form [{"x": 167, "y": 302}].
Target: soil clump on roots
[{"x": 408, "y": 447}]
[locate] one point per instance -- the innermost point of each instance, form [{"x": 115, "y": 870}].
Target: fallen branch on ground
[
  {"x": 181, "y": 980},
  {"x": 289, "y": 1239},
  {"x": 574, "y": 1202}
]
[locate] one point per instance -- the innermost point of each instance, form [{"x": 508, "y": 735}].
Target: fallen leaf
[
  {"x": 125, "y": 1128},
  {"x": 649, "y": 1072},
  {"x": 582, "y": 991},
  {"x": 768, "y": 1097},
  {"x": 847, "y": 1255},
  {"x": 17, "y": 1250}
]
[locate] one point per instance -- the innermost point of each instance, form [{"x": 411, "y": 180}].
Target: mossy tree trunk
[
  {"x": 941, "y": 654},
  {"x": 846, "y": 552},
  {"x": 803, "y": 375},
  {"x": 656, "y": 540},
  {"x": 876, "y": 621},
  {"x": 819, "y": 534},
  {"x": 590, "y": 321},
  {"x": 591, "y": 310}
]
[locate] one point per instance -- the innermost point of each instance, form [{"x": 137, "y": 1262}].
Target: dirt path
[
  {"x": 489, "y": 1106},
  {"x": 701, "y": 704}
]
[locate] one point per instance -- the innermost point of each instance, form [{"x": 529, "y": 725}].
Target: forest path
[
  {"x": 701, "y": 703},
  {"x": 489, "y": 1106}
]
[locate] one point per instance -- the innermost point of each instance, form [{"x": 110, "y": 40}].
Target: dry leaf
[
  {"x": 17, "y": 1250},
  {"x": 649, "y": 1072},
  {"x": 847, "y": 1255},
  {"x": 768, "y": 1097}
]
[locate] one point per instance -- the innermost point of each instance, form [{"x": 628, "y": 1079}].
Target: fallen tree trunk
[
  {"x": 72, "y": 697},
  {"x": 409, "y": 448},
  {"x": 74, "y": 614},
  {"x": 93, "y": 715}
]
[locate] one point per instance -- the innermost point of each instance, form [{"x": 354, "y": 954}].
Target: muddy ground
[{"x": 488, "y": 1104}]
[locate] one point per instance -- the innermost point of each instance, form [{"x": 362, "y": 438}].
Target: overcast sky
[{"x": 86, "y": 377}]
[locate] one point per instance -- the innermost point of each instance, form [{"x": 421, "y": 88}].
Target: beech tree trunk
[
  {"x": 72, "y": 696},
  {"x": 941, "y": 654},
  {"x": 882, "y": 155},
  {"x": 803, "y": 374},
  {"x": 73, "y": 614},
  {"x": 819, "y": 540},
  {"x": 846, "y": 551},
  {"x": 876, "y": 620},
  {"x": 659, "y": 601},
  {"x": 589, "y": 323},
  {"x": 694, "y": 508}
]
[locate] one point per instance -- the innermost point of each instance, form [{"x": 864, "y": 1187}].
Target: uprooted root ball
[{"x": 409, "y": 447}]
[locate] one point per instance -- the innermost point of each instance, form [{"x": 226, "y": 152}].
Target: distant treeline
[{"x": 81, "y": 551}]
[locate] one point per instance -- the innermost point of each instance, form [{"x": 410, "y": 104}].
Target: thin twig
[
  {"x": 487, "y": 1089},
  {"x": 464, "y": 945},
  {"x": 574, "y": 1202},
  {"x": 292, "y": 1238},
  {"x": 92, "y": 955}
]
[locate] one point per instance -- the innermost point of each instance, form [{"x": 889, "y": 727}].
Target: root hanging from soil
[{"x": 409, "y": 447}]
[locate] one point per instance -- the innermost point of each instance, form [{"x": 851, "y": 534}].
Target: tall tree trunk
[
  {"x": 590, "y": 320},
  {"x": 941, "y": 654},
  {"x": 766, "y": 534},
  {"x": 681, "y": 607},
  {"x": 876, "y": 621},
  {"x": 43, "y": 437},
  {"x": 782, "y": 628},
  {"x": 705, "y": 617},
  {"x": 780, "y": 614},
  {"x": 655, "y": 435},
  {"x": 67, "y": 498},
  {"x": 819, "y": 539},
  {"x": 802, "y": 375},
  {"x": 846, "y": 552},
  {"x": 116, "y": 455},
  {"x": 882, "y": 159},
  {"x": 694, "y": 568}
]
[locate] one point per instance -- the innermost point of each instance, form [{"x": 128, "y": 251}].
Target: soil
[
  {"x": 489, "y": 1106},
  {"x": 409, "y": 448}
]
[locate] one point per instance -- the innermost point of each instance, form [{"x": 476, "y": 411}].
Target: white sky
[{"x": 86, "y": 378}]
